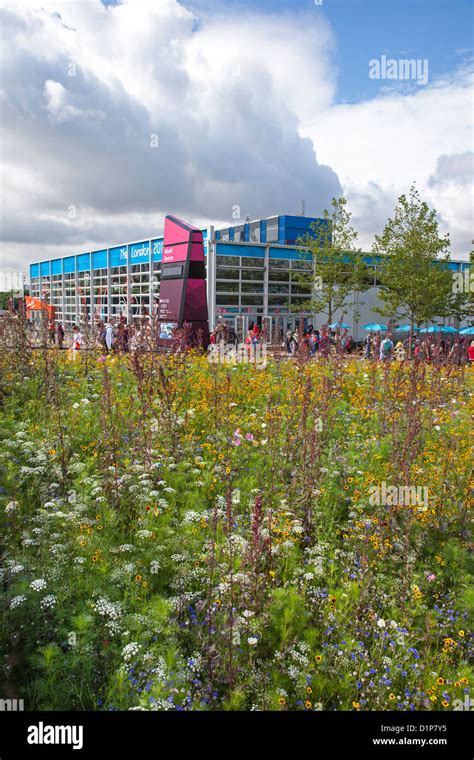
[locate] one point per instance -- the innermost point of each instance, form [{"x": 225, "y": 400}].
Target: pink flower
[
  {"x": 431, "y": 577},
  {"x": 248, "y": 437}
]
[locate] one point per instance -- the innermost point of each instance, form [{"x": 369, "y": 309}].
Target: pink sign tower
[{"x": 183, "y": 283}]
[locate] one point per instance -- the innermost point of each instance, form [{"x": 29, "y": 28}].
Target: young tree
[
  {"x": 415, "y": 282},
  {"x": 338, "y": 266}
]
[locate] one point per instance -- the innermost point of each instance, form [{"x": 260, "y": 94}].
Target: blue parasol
[
  {"x": 432, "y": 329},
  {"x": 375, "y": 327}
]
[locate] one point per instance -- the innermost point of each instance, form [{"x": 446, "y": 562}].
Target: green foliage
[
  {"x": 412, "y": 285},
  {"x": 338, "y": 266}
]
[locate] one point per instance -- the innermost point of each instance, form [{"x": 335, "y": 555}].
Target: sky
[{"x": 114, "y": 114}]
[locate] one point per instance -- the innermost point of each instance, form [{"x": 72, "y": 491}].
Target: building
[{"x": 253, "y": 275}]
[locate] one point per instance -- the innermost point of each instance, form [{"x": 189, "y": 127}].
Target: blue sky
[{"x": 438, "y": 30}]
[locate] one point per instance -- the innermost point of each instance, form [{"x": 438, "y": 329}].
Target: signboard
[{"x": 183, "y": 280}]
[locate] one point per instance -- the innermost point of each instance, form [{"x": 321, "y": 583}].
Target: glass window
[
  {"x": 254, "y": 232},
  {"x": 228, "y": 261},
  {"x": 251, "y": 287},
  {"x": 227, "y": 274},
  {"x": 302, "y": 265},
  {"x": 272, "y": 230},
  {"x": 251, "y": 300},
  {"x": 253, "y": 274},
  {"x": 253, "y": 261},
  {"x": 280, "y": 300},
  {"x": 278, "y": 288},
  {"x": 227, "y": 287},
  {"x": 227, "y": 300},
  {"x": 280, "y": 276},
  {"x": 239, "y": 234}
]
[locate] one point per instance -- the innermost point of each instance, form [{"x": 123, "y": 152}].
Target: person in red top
[{"x": 470, "y": 352}]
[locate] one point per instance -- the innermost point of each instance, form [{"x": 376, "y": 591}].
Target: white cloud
[
  {"x": 380, "y": 147},
  {"x": 87, "y": 87}
]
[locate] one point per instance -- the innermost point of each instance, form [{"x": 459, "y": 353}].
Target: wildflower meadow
[{"x": 182, "y": 535}]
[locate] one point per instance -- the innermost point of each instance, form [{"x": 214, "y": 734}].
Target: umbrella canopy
[
  {"x": 375, "y": 327},
  {"x": 432, "y": 329},
  {"x": 467, "y": 331},
  {"x": 342, "y": 325},
  {"x": 406, "y": 328},
  {"x": 449, "y": 329}
]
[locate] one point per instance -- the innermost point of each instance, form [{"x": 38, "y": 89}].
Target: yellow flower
[
  {"x": 440, "y": 681},
  {"x": 356, "y": 705},
  {"x": 461, "y": 633},
  {"x": 445, "y": 703},
  {"x": 307, "y": 704},
  {"x": 433, "y": 698},
  {"x": 281, "y": 701},
  {"x": 392, "y": 696},
  {"x": 138, "y": 578},
  {"x": 309, "y": 690},
  {"x": 318, "y": 658}
]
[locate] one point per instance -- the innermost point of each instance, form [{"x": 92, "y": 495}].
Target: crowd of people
[{"x": 121, "y": 336}]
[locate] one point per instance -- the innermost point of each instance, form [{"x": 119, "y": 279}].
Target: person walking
[
  {"x": 470, "y": 352},
  {"x": 52, "y": 332},
  {"x": 60, "y": 333},
  {"x": 109, "y": 336},
  {"x": 367, "y": 345},
  {"x": 386, "y": 348}
]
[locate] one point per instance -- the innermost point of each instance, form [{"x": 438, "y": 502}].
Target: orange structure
[{"x": 36, "y": 304}]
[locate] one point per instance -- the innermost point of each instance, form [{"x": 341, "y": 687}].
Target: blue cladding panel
[
  {"x": 281, "y": 230},
  {"x": 34, "y": 270},
  {"x": 83, "y": 262},
  {"x": 297, "y": 226},
  {"x": 157, "y": 248},
  {"x": 57, "y": 266},
  {"x": 140, "y": 253},
  {"x": 289, "y": 253},
  {"x": 99, "y": 259},
  {"x": 239, "y": 250},
  {"x": 118, "y": 256},
  {"x": 44, "y": 267},
  {"x": 231, "y": 233},
  {"x": 69, "y": 264},
  {"x": 247, "y": 233},
  {"x": 263, "y": 231}
]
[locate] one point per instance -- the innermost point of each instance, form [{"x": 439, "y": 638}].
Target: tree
[
  {"x": 338, "y": 266},
  {"x": 414, "y": 279}
]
